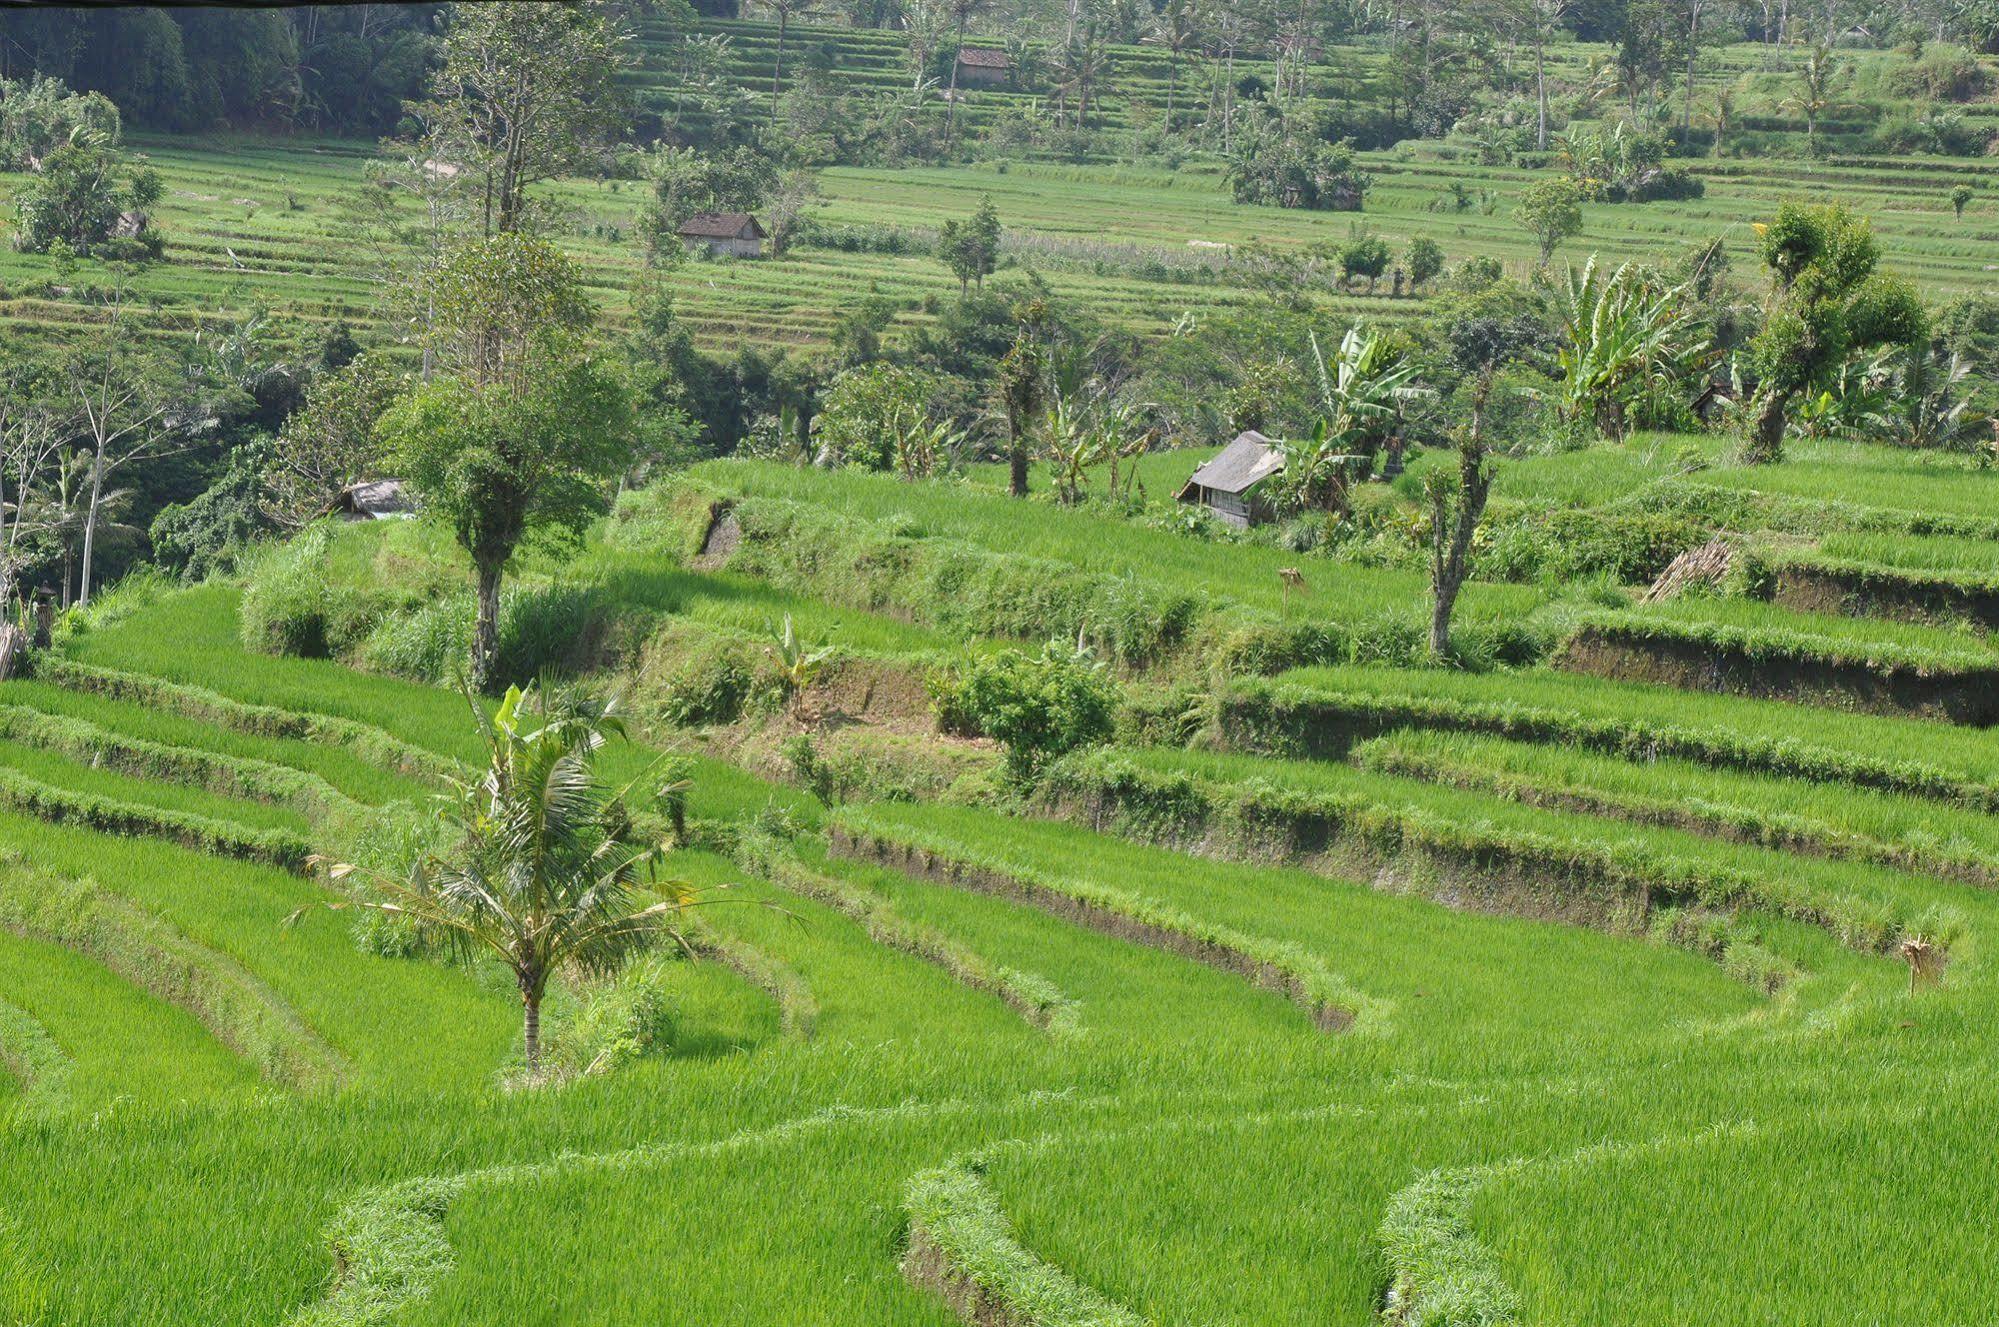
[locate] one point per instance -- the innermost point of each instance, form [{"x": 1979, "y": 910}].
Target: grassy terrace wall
[
  {"x": 1469, "y": 850},
  {"x": 1814, "y": 583},
  {"x": 1324, "y": 713},
  {"x": 972, "y": 563},
  {"x": 1733, "y": 647}
]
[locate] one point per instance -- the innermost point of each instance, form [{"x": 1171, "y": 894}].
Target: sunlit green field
[
  {"x": 1485, "y": 987},
  {"x": 258, "y": 224}
]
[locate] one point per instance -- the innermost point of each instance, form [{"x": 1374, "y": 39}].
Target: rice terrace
[{"x": 1024, "y": 663}]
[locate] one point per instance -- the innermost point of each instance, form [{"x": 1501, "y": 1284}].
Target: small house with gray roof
[
  {"x": 983, "y": 66},
  {"x": 1233, "y": 484},
  {"x": 736, "y": 234}
]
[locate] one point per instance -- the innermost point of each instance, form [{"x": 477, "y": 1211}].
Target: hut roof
[
  {"x": 1239, "y": 467},
  {"x": 722, "y": 226},
  {"x": 984, "y": 57},
  {"x": 373, "y": 500}
]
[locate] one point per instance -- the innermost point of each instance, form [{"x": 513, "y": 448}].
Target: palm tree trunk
[
  {"x": 1693, "y": 49},
  {"x": 777, "y": 71},
  {"x": 531, "y": 1029},
  {"x": 1540, "y": 89},
  {"x": 951, "y": 102},
  {"x": 486, "y": 629}
]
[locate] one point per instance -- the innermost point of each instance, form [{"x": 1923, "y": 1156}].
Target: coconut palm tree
[
  {"x": 1815, "y": 79},
  {"x": 962, "y": 12},
  {"x": 1177, "y": 29},
  {"x": 1720, "y": 114},
  {"x": 786, "y": 10},
  {"x": 545, "y": 868}
]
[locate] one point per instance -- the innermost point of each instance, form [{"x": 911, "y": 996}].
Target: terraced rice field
[
  {"x": 256, "y": 224},
  {"x": 1507, "y": 996}
]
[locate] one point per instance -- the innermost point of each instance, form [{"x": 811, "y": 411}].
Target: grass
[
  {"x": 103, "y": 1025},
  {"x": 78, "y": 776},
  {"x": 1973, "y": 561},
  {"x": 1632, "y": 718},
  {"x": 1788, "y": 813},
  {"x": 1194, "y": 1120},
  {"x": 957, "y": 558},
  {"x": 1765, "y": 630}
]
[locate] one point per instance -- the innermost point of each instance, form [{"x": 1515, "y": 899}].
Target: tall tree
[
  {"x": 1480, "y": 344},
  {"x": 962, "y": 12},
  {"x": 31, "y": 437},
  {"x": 1815, "y": 79},
  {"x": 522, "y": 94},
  {"x": 1021, "y": 387},
  {"x": 786, "y": 10},
  {"x": 1692, "y": 12},
  {"x": 525, "y": 430},
  {"x": 1828, "y": 303},
  {"x": 1177, "y": 29},
  {"x": 1543, "y": 18},
  {"x": 125, "y": 401}
]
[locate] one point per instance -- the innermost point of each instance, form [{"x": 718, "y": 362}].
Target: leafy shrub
[
  {"x": 692, "y": 678},
  {"x": 286, "y": 600},
  {"x": 544, "y": 629},
  {"x": 622, "y": 1020},
  {"x": 1037, "y": 706}
]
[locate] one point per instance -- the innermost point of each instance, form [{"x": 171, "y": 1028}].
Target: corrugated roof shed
[
  {"x": 1240, "y": 466},
  {"x": 984, "y": 57},
  {"x": 374, "y": 500}
]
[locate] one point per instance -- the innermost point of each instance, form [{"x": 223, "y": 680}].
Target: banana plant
[
  {"x": 1622, "y": 334},
  {"x": 1363, "y": 389},
  {"x": 798, "y": 663}
]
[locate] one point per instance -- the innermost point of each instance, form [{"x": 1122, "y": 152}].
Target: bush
[
  {"x": 627, "y": 1018},
  {"x": 695, "y": 677},
  {"x": 1037, "y": 706},
  {"x": 543, "y": 630},
  {"x": 286, "y": 601}
]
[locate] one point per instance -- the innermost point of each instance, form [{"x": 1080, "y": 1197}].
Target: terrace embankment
[
  {"x": 1326, "y": 718},
  {"x": 1473, "y": 853},
  {"x": 1863, "y": 591},
  {"x": 1213, "y": 947},
  {"x": 1965, "y": 694}
]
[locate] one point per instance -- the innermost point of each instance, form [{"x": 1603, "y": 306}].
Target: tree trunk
[
  {"x": 1450, "y": 554},
  {"x": 486, "y": 629},
  {"x": 1540, "y": 89},
  {"x": 1766, "y": 439},
  {"x": 531, "y": 1027},
  {"x": 1687, "y": 98},
  {"x": 951, "y": 101},
  {"x": 90, "y": 522},
  {"x": 777, "y": 70},
  {"x": 1017, "y": 468}
]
